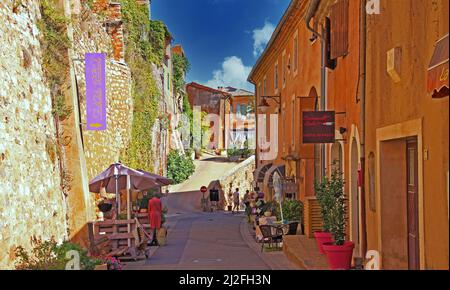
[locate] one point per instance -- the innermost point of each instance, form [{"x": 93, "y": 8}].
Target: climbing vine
[
  {"x": 145, "y": 45},
  {"x": 180, "y": 66},
  {"x": 55, "y": 44}
]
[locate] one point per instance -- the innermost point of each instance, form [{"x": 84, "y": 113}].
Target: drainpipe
[
  {"x": 309, "y": 15},
  {"x": 362, "y": 76}
]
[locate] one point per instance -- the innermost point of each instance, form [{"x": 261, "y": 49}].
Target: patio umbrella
[
  {"x": 118, "y": 177},
  {"x": 163, "y": 181}
]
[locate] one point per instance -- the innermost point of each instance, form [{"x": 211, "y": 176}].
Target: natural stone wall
[
  {"x": 103, "y": 147},
  {"x": 240, "y": 177},
  {"x": 31, "y": 201}
]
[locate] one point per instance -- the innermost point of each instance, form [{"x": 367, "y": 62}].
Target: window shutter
[{"x": 339, "y": 29}]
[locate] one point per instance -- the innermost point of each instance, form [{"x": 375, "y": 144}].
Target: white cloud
[
  {"x": 233, "y": 73},
  {"x": 261, "y": 37}
]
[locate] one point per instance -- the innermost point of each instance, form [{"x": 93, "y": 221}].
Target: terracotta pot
[
  {"x": 322, "y": 238},
  {"x": 339, "y": 257}
]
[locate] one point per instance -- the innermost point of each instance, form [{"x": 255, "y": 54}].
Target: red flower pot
[
  {"x": 322, "y": 238},
  {"x": 339, "y": 257}
]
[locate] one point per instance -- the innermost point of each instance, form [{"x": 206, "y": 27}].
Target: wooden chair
[{"x": 270, "y": 235}]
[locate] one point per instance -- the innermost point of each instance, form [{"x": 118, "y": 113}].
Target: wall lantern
[{"x": 264, "y": 105}]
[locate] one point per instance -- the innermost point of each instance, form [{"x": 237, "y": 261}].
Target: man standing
[{"x": 236, "y": 201}]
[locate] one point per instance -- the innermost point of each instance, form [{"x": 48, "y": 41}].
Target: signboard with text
[
  {"x": 318, "y": 127},
  {"x": 95, "y": 91}
]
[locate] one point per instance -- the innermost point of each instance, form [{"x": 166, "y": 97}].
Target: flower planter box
[{"x": 102, "y": 267}]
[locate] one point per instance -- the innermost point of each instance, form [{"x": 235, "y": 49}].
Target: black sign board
[
  {"x": 214, "y": 195},
  {"x": 318, "y": 127}
]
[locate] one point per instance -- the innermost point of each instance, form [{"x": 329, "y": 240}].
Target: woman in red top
[
  {"x": 154, "y": 215},
  {"x": 154, "y": 212}
]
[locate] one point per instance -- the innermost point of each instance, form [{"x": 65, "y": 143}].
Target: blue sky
[{"x": 222, "y": 38}]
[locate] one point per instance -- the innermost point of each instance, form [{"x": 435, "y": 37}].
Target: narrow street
[{"x": 206, "y": 241}]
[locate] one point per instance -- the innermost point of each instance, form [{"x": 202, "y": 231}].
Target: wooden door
[{"x": 413, "y": 204}]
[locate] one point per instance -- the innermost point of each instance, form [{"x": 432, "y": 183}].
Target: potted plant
[
  {"x": 339, "y": 252},
  {"x": 292, "y": 212},
  {"x": 325, "y": 198}
]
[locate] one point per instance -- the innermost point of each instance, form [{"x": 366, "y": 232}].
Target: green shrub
[
  {"x": 330, "y": 194},
  {"x": 292, "y": 210},
  {"x": 48, "y": 255},
  {"x": 179, "y": 166}
]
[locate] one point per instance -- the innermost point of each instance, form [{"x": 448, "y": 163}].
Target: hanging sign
[
  {"x": 318, "y": 127},
  {"x": 95, "y": 91}
]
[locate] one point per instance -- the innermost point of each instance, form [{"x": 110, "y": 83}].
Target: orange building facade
[
  {"x": 406, "y": 139},
  {"x": 289, "y": 75},
  {"x": 385, "y": 77}
]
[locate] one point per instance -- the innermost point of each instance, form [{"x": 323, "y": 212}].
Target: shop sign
[{"x": 318, "y": 127}]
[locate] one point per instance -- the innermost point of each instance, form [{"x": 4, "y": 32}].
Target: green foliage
[
  {"x": 241, "y": 152},
  {"x": 330, "y": 194},
  {"x": 55, "y": 44},
  {"x": 179, "y": 166},
  {"x": 292, "y": 210},
  {"x": 180, "y": 66},
  {"x": 48, "y": 255},
  {"x": 145, "y": 44}
]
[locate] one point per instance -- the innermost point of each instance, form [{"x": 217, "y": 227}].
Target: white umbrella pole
[
  {"x": 117, "y": 197},
  {"x": 128, "y": 205}
]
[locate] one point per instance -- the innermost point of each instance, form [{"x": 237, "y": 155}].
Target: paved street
[{"x": 206, "y": 241}]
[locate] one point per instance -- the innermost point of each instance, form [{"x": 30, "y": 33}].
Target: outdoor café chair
[
  {"x": 271, "y": 235},
  {"x": 291, "y": 229}
]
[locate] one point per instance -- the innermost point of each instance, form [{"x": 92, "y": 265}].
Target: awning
[
  {"x": 260, "y": 172},
  {"x": 438, "y": 70},
  {"x": 268, "y": 178}
]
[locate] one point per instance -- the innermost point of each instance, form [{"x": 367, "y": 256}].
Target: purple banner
[{"x": 95, "y": 91}]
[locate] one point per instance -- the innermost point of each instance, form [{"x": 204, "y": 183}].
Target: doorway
[
  {"x": 413, "y": 202},
  {"x": 354, "y": 197},
  {"x": 400, "y": 204}
]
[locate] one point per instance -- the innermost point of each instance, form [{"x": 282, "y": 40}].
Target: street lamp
[{"x": 264, "y": 105}]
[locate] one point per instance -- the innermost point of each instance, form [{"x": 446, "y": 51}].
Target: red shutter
[{"x": 339, "y": 29}]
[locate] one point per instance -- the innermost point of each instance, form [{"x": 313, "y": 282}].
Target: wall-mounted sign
[
  {"x": 95, "y": 91},
  {"x": 318, "y": 127}
]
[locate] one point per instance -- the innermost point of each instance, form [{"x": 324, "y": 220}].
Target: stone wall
[
  {"x": 240, "y": 177},
  {"x": 103, "y": 147},
  {"x": 31, "y": 201}
]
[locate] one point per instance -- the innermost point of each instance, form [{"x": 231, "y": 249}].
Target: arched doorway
[{"x": 337, "y": 157}]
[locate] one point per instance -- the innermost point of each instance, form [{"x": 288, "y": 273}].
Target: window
[
  {"x": 296, "y": 52},
  {"x": 293, "y": 123},
  {"x": 289, "y": 64},
  {"x": 276, "y": 76},
  {"x": 339, "y": 29}
]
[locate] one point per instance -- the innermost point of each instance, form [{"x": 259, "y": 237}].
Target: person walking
[
  {"x": 236, "y": 201},
  {"x": 246, "y": 201},
  {"x": 154, "y": 215}
]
